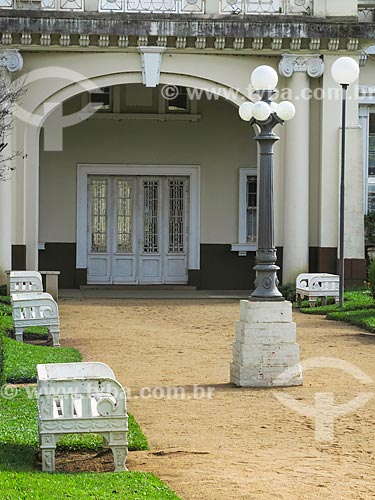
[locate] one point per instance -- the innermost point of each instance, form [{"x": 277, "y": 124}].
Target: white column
[
  {"x": 5, "y": 226},
  {"x": 297, "y": 158},
  {"x": 5, "y": 202},
  {"x": 10, "y": 61},
  {"x": 31, "y": 214},
  {"x": 364, "y": 122}
]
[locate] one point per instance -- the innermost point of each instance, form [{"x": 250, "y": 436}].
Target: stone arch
[
  {"x": 205, "y": 86},
  {"x": 55, "y": 97}
]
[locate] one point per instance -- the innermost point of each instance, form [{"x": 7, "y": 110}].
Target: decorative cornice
[
  {"x": 311, "y": 64},
  {"x": 220, "y": 43},
  {"x": 11, "y": 59}
]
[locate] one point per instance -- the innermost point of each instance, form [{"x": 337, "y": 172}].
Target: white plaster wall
[
  {"x": 220, "y": 142},
  {"x": 367, "y": 75}
]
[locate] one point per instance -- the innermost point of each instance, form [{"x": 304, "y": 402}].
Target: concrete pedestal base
[{"x": 265, "y": 352}]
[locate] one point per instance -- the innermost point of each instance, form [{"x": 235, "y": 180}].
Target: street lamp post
[
  {"x": 265, "y": 115},
  {"x": 345, "y": 71},
  {"x": 265, "y": 352}
]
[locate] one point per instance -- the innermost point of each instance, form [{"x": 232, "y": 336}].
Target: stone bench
[
  {"x": 35, "y": 309},
  {"x": 52, "y": 281},
  {"x": 25, "y": 282},
  {"x": 76, "y": 398},
  {"x": 317, "y": 285}
]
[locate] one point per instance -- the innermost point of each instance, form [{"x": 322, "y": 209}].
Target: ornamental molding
[
  {"x": 69, "y": 40},
  {"x": 11, "y": 59},
  {"x": 312, "y": 64}
]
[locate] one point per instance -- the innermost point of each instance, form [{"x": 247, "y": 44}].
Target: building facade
[{"x": 136, "y": 167}]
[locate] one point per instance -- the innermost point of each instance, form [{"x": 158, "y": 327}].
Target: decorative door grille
[
  {"x": 176, "y": 216},
  {"x": 151, "y": 216}
]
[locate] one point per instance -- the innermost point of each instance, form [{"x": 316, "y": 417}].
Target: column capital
[
  {"x": 312, "y": 64},
  {"x": 11, "y": 59}
]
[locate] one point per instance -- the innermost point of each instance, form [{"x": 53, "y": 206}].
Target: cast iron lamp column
[
  {"x": 265, "y": 115},
  {"x": 345, "y": 71}
]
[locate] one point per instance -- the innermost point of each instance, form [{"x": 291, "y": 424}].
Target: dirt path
[{"x": 241, "y": 443}]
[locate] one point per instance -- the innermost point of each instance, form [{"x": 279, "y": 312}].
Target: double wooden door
[{"x": 137, "y": 229}]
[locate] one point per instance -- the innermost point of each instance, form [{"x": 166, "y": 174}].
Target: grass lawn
[
  {"x": 21, "y": 359},
  {"x": 19, "y": 445},
  {"x": 19, "y": 424},
  {"x": 19, "y": 480},
  {"x": 124, "y": 486},
  {"x": 359, "y": 310}
]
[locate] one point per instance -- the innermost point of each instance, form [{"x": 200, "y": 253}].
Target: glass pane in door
[
  {"x": 251, "y": 209},
  {"x": 99, "y": 191}
]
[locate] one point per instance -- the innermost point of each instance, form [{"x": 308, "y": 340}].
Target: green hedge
[{"x": 364, "y": 318}]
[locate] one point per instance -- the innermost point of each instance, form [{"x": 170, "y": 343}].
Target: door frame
[{"x": 191, "y": 171}]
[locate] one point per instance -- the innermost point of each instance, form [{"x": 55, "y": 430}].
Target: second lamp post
[{"x": 344, "y": 71}]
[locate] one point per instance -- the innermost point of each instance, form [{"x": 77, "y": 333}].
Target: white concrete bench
[
  {"x": 75, "y": 398},
  {"x": 35, "y": 309},
  {"x": 52, "y": 281},
  {"x": 25, "y": 282},
  {"x": 315, "y": 285}
]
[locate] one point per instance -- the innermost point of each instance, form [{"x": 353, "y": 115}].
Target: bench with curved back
[
  {"x": 81, "y": 398},
  {"x": 35, "y": 309},
  {"x": 317, "y": 285}
]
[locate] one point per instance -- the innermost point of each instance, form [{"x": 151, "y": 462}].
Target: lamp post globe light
[
  {"x": 345, "y": 71},
  {"x": 265, "y": 114}
]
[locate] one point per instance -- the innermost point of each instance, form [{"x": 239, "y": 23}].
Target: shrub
[
  {"x": 5, "y": 310},
  {"x": 2, "y": 372},
  {"x": 5, "y": 299},
  {"x": 289, "y": 291},
  {"x": 370, "y": 229},
  {"x": 371, "y": 277}
]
